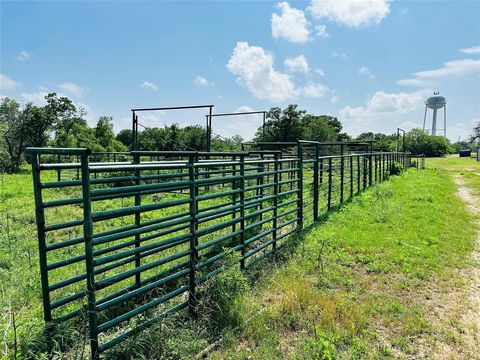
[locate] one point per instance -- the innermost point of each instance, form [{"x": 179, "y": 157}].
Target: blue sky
[{"x": 370, "y": 63}]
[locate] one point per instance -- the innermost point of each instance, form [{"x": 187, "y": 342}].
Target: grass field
[
  {"x": 360, "y": 285},
  {"x": 367, "y": 282}
]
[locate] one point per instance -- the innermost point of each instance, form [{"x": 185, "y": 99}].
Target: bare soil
[
  {"x": 455, "y": 311},
  {"x": 471, "y": 318}
]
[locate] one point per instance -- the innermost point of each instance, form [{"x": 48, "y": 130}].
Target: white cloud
[
  {"x": 471, "y": 50},
  {"x": 201, "y": 81},
  {"x": 321, "y": 31},
  {"x": 338, "y": 55},
  {"x": 254, "y": 69},
  {"x": 149, "y": 85},
  {"x": 352, "y": 13},
  {"x": 365, "y": 71},
  {"x": 455, "y": 67},
  {"x": 37, "y": 98},
  {"x": 314, "y": 90},
  {"x": 243, "y": 125},
  {"x": 383, "y": 104},
  {"x": 73, "y": 89},
  {"x": 450, "y": 68},
  {"x": 334, "y": 99},
  {"x": 414, "y": 82},
  {"x": 7, "y": 83},
  {"x": 459, "y": 131},
  {"x": 290, "y": 24},
  {"x": 298, "y": 64},
  {"x": 23, "y": 56},
  {"x": 320, "y": 72}
]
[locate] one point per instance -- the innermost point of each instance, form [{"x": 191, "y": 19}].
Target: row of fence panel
[{"x": 124, "y": 244}]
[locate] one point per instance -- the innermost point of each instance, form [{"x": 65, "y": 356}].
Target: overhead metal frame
[
  {"x": 209, "y": 119},
  {"x": 135, "y": 120}
]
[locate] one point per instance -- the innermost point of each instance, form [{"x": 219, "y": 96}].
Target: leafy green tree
[
  {"x": 42, "y": 120},
  {"x": 104, "y": 131},
  {"x": 125, "y": 137},
  {"x": 476, "y": 133},
  {"x": 233, "y": 143},
  {"x": 419, "y": 142},
  {"x": 75, "y": 132},
  {"x": 3, "y": 151},
  {"x": 463, "y": 144},
  {"x": 382, "y": 141},
  {"x": 282, "y": 125},
  {"x": 193, "y": 138},
  {"x": 318, "y": 128},
  {"x": 151, "y": 139},
  {"x": 292, "y": 124},
  {"x": 14, "y": 125}
]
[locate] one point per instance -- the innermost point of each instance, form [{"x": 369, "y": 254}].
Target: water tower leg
[
  {"x": 424, "y": 118},
  {"x": 445, "y": 121},
  {"x": 434, "y": 122}
]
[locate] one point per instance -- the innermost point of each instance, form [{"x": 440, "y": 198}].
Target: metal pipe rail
[{"x": 141, "y": 236}]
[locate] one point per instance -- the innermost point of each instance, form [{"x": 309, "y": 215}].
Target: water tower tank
[{"x": 435, "y": 103}]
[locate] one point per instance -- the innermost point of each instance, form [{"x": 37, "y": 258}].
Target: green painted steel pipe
[
  {"x": 109, "y": 214},
  {"x": 55, "y": 151},
  {"x": 130, "y": 314},
  {"x": 329, "y": 199},
  {"x": 142, "y": 326},
  {"x": 89, "y": 261},
  {"x": 129, "y": 273},
  {"x": 42, "y": 245},
  {"x": 63, "y": 225},
  {"x": 142, "y": 290}
]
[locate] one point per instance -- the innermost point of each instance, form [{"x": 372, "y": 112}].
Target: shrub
[
  {"x": 222, "y": 296},
  {"x": 396, "y": 168}
]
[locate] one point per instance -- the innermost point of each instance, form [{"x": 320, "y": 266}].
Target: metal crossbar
[{"x": 138, "y": 237}]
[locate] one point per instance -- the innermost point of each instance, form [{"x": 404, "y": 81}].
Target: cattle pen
[{"x": 148, "y": 228}]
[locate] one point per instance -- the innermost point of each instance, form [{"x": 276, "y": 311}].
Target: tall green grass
[{"x": 358, "y": 285}]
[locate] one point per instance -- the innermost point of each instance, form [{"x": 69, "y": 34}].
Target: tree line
[{"x": 60, "y": 123}]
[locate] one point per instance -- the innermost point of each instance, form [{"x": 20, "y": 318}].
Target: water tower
[{"x": 436, "y": 102}]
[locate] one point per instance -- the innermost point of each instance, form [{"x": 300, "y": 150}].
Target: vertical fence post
[
  {"x": 384, "y": 174},
  {"x": 78, "y": 168},
  {"x": 315, "y": 184},
  {"x": 138, "y": 202},
  {"x": 351, "y": 176},
  {"x": 387, "y": 157},
  {"x": 242, "y": 210},
  {"x": 376, "y": 168},
  {"x": 193, "y": 236},
  {"x": 364, "y": 172},
  {"x": 59, "y": 170},
  {"x": 89, "y": 261},
  {"x": 370, "y": 167},
  {"x": 389, "y": 163},
  {"x": 380, "y": 167},
  {"x": 300, "y": 187},
  {"x": 42, "y": 246},
  {"x": 329, "y": 198},
  {"x": 358, "y": 174},
  {"x": 234, "y": 196},
  {"x": 342, "y": 172},
  {"x": 275, "y": 201},
  {"x": 321, "y": 171},
  {"x": 259, "y": 191}
]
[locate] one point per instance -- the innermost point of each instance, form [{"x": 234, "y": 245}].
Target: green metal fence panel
[{"x": 142, "y": 233}]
